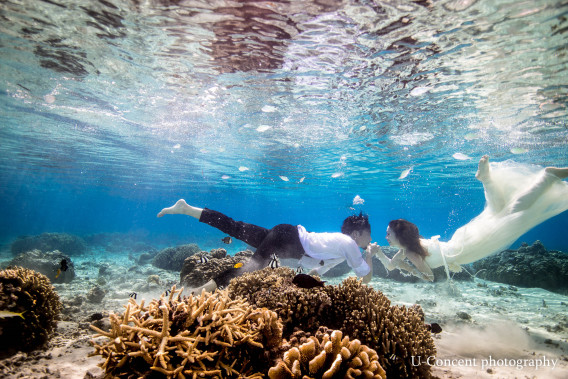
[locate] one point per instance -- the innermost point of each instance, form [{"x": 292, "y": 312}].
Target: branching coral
[
  {"x": 396, "y": 333},
  {"x": 208, "y": 335},
  {"x": 273, "y": 289},
  {"x": 28, "y": 292},
  {"x": 327, "y": 357}
]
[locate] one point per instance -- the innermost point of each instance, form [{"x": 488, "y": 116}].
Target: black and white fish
[
  {"x": 133, "y": 295},
  {"x": 307, "y": 281},
  {"x": 299, "y": 270},
  {"x": 227, "y": 240},
  {"x": 203, "y": 259},
  {"x": 274, "y": 261}
]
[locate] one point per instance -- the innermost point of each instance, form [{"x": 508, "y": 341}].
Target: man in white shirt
[{"x": 316, "y": 251}]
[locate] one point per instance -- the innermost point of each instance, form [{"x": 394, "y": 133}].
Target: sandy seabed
[{"x": 490, "y": 330}]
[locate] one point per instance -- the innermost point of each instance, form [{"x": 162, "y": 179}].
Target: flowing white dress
[{"x": 518, "y": 197}]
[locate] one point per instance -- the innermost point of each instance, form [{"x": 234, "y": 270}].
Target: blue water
[{"x": 112, "y": 110}]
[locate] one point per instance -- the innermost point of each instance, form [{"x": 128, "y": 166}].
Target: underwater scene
[{"x": 283, "y": 189}]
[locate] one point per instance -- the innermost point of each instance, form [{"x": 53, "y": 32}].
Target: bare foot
[
  {"x": 561, "y": 173},
  {"x": 180, "y": 207},
  {"x": 483, "y": 168}
]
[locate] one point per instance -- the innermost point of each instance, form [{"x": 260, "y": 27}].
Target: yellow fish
[
  {"x": 6, "y": 314},
  {"x": 58, "y": 273},
  {"x": 238, "y": 265}
]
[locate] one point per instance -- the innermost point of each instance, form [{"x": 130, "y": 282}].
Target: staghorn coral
[
  {"x": 27, "y": 291},
  {"x": 208, "y": 335},
  {"x": 273, "y": 288},
  {"x": 395, "y": 333},
  {"x": 328, "y": 356}
]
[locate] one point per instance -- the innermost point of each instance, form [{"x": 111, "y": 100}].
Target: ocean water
[{"x": 272, "y": 112}]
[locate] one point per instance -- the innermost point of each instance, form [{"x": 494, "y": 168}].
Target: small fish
[
  {"x": 518, "y": 150},
  {"x": 227, "y": 240},
  {"x": 62, "y": 267},
  {"x": 284, "y": 178},
  {"x": 8, "y": 314},
  {"x": 405, "y": 173},
  {"x": 461, "y": 157},
  {"x": 167, "y": 292},
  {"x": 274, "y": 261},
  {"x": 238, "y": 265},
  {"x": 434, "y": 328},
  {"x": 307, "y": 281},
  {"x": 299, "y": 270},
  {"x": 203, "y": 259},
  {"x": 133, "y": 295}
]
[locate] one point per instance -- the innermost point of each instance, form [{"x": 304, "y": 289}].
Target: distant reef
[
  {"x": 529, "y": 266},
  {"x": 65, "y": 243}
]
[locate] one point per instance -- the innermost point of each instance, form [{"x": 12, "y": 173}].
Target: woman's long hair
[{"x": 408, "y": 236}]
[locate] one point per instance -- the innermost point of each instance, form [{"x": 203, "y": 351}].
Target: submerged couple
[{"x": 518, "y": 197}]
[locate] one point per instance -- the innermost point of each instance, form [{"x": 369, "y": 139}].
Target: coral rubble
[
  {"x": 329, "y": 356},
  {"x": 207, "y": 335},
  {"x": 31, "y": 294}
]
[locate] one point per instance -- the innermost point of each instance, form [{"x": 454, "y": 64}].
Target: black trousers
[{"x": 282, "y": 240}]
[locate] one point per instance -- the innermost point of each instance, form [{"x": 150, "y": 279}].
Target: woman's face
[{"x": 391, "y": 238}]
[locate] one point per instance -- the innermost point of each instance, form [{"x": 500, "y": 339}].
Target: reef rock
[
  {"x": 529, "y": 266},
  {"x": 195, "y": 273},
  {"x": 65, "y": 243},
  {"x": 172, "y": 258},
  {"x": 47, "y": 263}
]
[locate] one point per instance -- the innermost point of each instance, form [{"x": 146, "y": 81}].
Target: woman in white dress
[{"x": 518, "y": 197}]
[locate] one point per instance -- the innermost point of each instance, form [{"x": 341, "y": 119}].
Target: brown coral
[
  {"x": 26, "y": 291},
  {"x": 273, "y": 288},
  {"x": 327, "y": 357},
  {"x": 396, "y": 333},
  {"x": 207, "y": 335}
]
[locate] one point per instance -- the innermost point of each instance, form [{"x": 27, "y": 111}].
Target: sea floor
[{"x": 490, "y": 330}]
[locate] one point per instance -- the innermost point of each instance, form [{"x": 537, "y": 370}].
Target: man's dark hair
[{"x": 356, "y": 223}]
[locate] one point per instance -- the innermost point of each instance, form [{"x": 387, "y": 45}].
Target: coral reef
[
  {"x": 31, "y": 294},
  {"x": 329, "y": 356},
  {"x": 197, "y": 336},
  {"x": 360, "y": 312},
  {"x": 395, "y": 333},
  {"x": 195, "y": 274},
  {"x": 529, "y": 266},
  {"x": 171, "y": 258},
  {"x": 65, "y": 243},
  {"x": 273, "y": 288},
  {"x": 47, "y": 263}
]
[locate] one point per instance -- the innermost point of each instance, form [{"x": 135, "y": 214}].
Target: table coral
[
  {"x": 208, "y": 335},
  {"x": 273, "y": 288},
  {"x": 28, "y": 292},
  {"x": 327, "y": 357}
]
